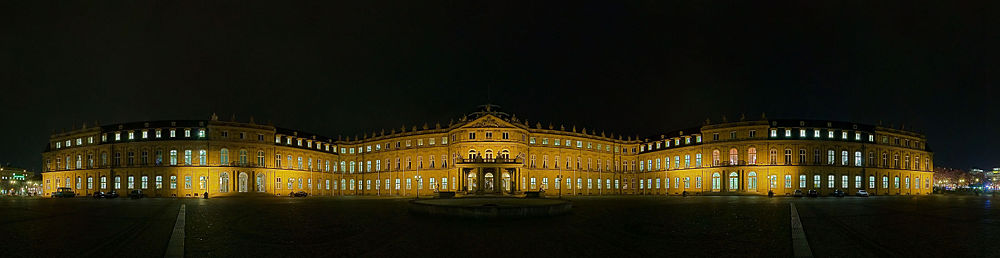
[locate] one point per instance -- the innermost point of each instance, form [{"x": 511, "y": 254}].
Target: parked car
[
  {"x": 798, "y": 193},
  {"x": 111, "y": 195},
  {"x": 862, "y": 193},
  {"x": 812, "y": 193},
  {"x": 63, "y": 192},
  {"x": 300, "y": 194},
  {"x": 135, "y": 194},
  {"x": 837, "y": 193},
  {"x": 98, "y": 195}
]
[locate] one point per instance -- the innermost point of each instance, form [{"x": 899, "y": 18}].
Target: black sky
[{"x": 639, "y": 67}]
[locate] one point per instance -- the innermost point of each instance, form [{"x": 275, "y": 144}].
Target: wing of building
[{"x": 488, "y": 152}]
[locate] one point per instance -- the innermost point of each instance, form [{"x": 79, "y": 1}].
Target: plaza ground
[{"x": 598, "y": 226}]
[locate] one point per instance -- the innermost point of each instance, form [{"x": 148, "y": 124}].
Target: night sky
[{"x": 337, "y": 68}]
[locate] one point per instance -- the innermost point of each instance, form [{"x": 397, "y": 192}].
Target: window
[
  {"x": 830, "y": 181},
  {"x": 697, "y": 160},
  {"x": 159, "y": 182},
  {"x": 733, "y": 156},
  {"x": 857, "y": 182},
  {"x": 788, "y": 156},
  {"x": 843, "y": 181},
  {"x": 753, "y": 133},
  {"x": 788, "y": 181},
  {"x": 144, "y": 182},
  {"x": 187, "y": 132},
  {"x": 816, "y": 181},
  {"x": 802, "y": 181},
  {"x": 202, "y": 157},
  {"x": 187, "y": 157},
  {"x": 774, "y": 133},
  {"x": 831, "y": 157},
  {"x": 173, "y": 157},
  {"x": 885, "y": 182},
  {"x": 843, "y": 158},
  {"x": 752, "y": 156},
  {"x": 857, "y": 158},
  {"x": 802, "y": 133},
  {"x": 173, "y": 182},
  {"x": 871, "y": 182},
  {"x": 187, "y": 182}
]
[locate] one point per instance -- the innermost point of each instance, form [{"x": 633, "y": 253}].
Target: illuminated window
[
  {"x": 187, "y": 132},
  {"x": 802, "y": 181}
]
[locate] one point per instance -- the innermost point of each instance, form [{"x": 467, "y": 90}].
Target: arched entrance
[
  {"x": 506, "y": 181},
  {"x": 260, "y": 182},
  {"x": 488, "y": 182},
  {"x": 243, "y": 178},
  {"x": 752, "y": 181},
  {"x": 224, "y": 182},
  {"x": 471, "y": 182},
  {"x": 734, "y": 182}
]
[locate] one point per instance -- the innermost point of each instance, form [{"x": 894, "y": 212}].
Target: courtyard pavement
[{"x": 938, "y": 226}]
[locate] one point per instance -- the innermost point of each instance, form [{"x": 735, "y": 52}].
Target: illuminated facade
[{"x": 488, "y": 152}]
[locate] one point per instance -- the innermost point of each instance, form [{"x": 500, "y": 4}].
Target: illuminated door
[
  {"x": 243, "y": 182},
  {"x": 260, "y": 183},
  {"x": 488, "y": 182},
  {"x": 506, "y": 181},
  {"x": 734, "y": 182}
]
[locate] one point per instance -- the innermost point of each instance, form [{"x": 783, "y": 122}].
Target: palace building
[{"x": 488, "y": 152}]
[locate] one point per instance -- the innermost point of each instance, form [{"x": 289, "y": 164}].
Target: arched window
[
  {"x": 505, "y": 154},
  {"x": 733, "y": 156},
  {"x": 224, "y": 156},
  {"x": 243, "y": 157},
  {"x": 472, "y": 154},
  {"x": 788, "y": 156},
  {"x": 752, "y": 156},
  {"x": 857, "y": 159},
  {"x": 752, "y": 181},
  {"x": 489, "y": 154},
  {"x": 715, "y": 157},
  {"x": 715, "y": 181},
  {"x": 773, "y": 156},
  {"x": 734, "y": 181}
]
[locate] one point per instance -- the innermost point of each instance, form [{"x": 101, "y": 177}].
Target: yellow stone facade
[{"x": 487, "y": 152}]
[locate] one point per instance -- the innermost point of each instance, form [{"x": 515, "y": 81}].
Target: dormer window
[
  {"x": 788, "y": 133},
  {"x": 158, "y": 133},
  {"x": 698, "y": 138},
  {"x": 187, "y": 132},
  {"x": 774, "y": 132},
  {"x": 58, "y": 145},
  {"x": 830, "y": 134},
  {"x": 802, "y": 133},
  {"x": 145, "y": 134},
  {"x": 173, "y": 133},
  {"x": 298, "y": 142},
  {"x": 118, "y": 136},
  {"x": 131, "y": 135},
  {"x": 816, "y": 133},
  {"x": 843, "y": 135}
]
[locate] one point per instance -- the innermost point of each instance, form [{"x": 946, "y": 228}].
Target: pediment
[{"x": 488, "y": 121}]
